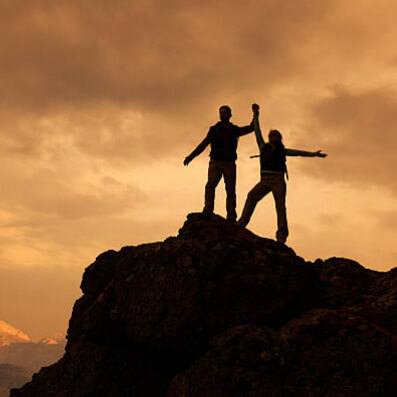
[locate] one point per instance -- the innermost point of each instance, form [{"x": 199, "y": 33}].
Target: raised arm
[
  {"x": 258, "y": 134},
  {"x": 303, "y": 153},
  {"x": 199, "y": 149}
]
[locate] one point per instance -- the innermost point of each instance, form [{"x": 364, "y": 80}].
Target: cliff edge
[{"x": 220, "y": 312}]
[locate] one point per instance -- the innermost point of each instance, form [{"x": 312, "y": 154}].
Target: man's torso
[{"x": 224, "y": 140}]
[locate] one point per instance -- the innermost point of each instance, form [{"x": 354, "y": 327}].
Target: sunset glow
[{"x": 101, "y": 101}]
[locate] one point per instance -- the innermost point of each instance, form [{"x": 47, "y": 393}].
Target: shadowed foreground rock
[{"x": 220, "y": 312}]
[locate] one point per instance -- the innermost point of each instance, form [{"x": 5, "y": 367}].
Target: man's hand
[
  {"x": 255, "y": 109},
  {"x": 187, "y": 160},
  {"x": 320, "y": 154}
]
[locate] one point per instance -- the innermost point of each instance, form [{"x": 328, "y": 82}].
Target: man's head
[
  {"x": 225, "y": 113},
  {"x": 275, "y": 135}
]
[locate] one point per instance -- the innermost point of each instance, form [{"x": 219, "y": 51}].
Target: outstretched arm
[
  {"x": 303, "y": 153},
  {"x": 199, "y": 149}
]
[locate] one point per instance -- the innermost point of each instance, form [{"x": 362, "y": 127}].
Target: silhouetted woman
[{"x": 272, "y": 159}]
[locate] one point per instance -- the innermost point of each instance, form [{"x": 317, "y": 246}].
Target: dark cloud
[
  {"x": 357, "y": 130},
  {"x": 386, "y": 219},
  {"x": 55, "y": 194},
  {"x": 84, "y": 69},
  {"x": 94, "y": 91},
  {"x": 151, "y": 56}
]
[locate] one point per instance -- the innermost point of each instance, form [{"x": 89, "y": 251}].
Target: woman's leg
[
  {"x": 257, "y": 193},
  {"x": 279, "y": 190}
]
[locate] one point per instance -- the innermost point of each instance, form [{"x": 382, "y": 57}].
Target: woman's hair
[{"x": 278, "y": 133}]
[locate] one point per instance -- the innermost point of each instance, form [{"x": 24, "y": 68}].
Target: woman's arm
[
  {"x": 303, "y": 153},
  {"x": 258, "y": 134}
]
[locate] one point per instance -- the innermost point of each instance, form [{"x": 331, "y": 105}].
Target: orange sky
[{"x": 101, "y": 101}]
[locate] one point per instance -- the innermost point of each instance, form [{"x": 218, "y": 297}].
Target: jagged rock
[
  {"x": 219, "y": 311},
  {"x": 321, "y": 353}
]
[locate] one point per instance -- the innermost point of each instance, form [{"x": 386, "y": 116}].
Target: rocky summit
[{"x": 220, "y": 312}]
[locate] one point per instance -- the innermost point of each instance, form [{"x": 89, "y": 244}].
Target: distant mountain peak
[
  {"x": 55, "y": 339},
  {"x": 10, "y": 334}
]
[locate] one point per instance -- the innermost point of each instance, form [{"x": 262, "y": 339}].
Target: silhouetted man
[{"x": 223, "y": 138}]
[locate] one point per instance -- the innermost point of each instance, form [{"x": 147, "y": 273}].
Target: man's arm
[
  {"x": 303, "y": 153},
  {"x": 199, "y": 149},
  {"x": 246, "y": 129}
]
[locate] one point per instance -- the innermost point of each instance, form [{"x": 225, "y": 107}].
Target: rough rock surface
[{"x": 220, "y": 312}]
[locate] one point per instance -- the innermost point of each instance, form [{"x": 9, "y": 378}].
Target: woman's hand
[{"x": 320, "y": 154}]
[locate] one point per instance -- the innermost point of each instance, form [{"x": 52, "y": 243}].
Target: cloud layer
[
  {"x": 101, "y": 101},
  {"x": 358, "y": 131}
]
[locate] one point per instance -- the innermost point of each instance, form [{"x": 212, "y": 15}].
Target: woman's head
[{"x": 275, "y": 135}]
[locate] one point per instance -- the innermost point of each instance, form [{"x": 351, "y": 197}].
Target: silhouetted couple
[{"x": 223, "y": 138}]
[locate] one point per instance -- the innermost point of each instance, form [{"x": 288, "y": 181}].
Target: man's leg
[
  {"x": 257, "y": 193},
  {"x": 214, "y": 176},
  {"x": 279, "y": 190},
  {"x": 229, "y": 175}
]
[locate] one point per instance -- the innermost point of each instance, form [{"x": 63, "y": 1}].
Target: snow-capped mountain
[
  {"x": 55, "y": 339},
  {"x": 16, "y": 348},
  {"x": 10, "y": 334}
]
